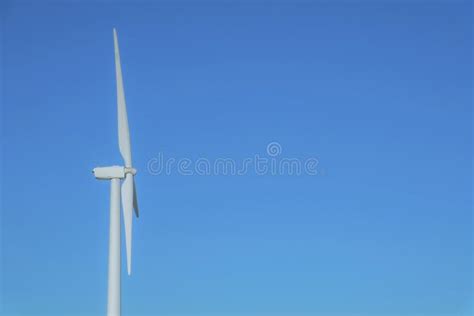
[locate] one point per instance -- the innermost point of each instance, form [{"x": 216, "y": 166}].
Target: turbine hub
[{"x": 131, "y": 170}]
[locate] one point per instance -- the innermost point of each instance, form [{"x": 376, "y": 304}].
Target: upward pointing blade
[
  {"x": 127, "y": 206},
  {"x": 123, "y": 131}
]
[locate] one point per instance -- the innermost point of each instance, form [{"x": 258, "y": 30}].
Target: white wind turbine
[{"x": 129, "y": 196}]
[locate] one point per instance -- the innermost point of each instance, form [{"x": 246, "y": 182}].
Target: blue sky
[{"x": 379, "y": 93}]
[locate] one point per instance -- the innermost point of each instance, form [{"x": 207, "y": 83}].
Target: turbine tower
[{"x": 127, "y": 192}]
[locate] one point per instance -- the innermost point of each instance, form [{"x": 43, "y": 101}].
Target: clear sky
[{"x": 380, "y": 94}]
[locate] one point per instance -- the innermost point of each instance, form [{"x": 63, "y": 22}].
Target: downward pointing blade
[
  {"x": 127, "y": 206},
  {"x": 135, "y": 199},
  {"x": 123, "y": 130}
]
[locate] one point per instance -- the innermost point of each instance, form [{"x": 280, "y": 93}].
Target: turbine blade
[
  {"x": 127, "y": 206},
  {"x": 123, "y": 130},
  {"x": 135, "y": 199}
]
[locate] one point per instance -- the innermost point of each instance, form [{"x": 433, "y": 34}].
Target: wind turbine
[{"x": 116, "y": 174}]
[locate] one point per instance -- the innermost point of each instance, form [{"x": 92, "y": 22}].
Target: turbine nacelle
[{"x": 113, "y": 172}]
